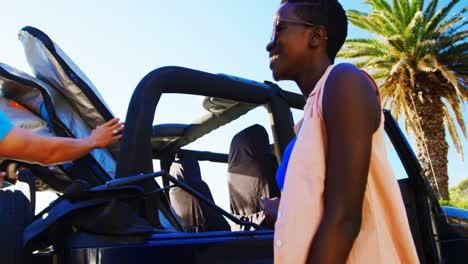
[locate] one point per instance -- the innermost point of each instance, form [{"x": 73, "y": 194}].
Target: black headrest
[{"x": 256, "y": 137}]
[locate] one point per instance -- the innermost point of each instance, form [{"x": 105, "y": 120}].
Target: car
[{"x": 106, "y": 219}]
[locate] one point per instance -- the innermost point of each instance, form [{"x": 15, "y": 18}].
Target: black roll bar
[{"x": 135, "y": 148}]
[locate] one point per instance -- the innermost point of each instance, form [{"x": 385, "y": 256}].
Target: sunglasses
[{"x": 278, "y": 21}]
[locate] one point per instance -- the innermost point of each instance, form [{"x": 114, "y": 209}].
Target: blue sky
[{"x": 117, "y": 42}]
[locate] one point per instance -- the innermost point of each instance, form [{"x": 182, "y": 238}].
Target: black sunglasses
[{"x": 278, "y": 20}]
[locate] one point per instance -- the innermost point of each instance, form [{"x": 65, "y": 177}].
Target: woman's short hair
[{"x": 328, "y": 13}]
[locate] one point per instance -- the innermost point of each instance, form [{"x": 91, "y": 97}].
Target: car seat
[
  {"x": 195, "y": 215},
  {"x": 251, "y": 173}
]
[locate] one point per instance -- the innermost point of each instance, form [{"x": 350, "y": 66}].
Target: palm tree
[{"x": 419, "y": 59}]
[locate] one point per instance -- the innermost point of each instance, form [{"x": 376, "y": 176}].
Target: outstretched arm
[
  {"x": 21, "y": 144},
  {"x": 352, "y": 114}
]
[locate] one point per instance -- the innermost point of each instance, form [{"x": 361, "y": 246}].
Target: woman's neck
[{"x": 311, "y": 74}]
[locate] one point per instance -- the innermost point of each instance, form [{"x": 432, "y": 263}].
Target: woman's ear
[{"x": 316, "y": 36}]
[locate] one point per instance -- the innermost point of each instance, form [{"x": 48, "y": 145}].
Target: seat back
[
  {"x": 195, "y": 215},
  {"x": 16, "y": 212},
  {"x": 251, "y": 173}
]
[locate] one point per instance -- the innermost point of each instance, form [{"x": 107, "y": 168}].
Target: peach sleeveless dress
[{"x": 385, "y": 236}]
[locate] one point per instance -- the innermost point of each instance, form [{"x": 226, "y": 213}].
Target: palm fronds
[{"x": 419, "y": 50}]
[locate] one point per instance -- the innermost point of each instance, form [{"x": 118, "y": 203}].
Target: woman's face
[{"x": 288, "y": 50}]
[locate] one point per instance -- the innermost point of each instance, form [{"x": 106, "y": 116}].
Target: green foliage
[
  {"x": 460, "y": 204},
  {"x": 446, "y": 203},
  {"x": 458, "y": 196}
]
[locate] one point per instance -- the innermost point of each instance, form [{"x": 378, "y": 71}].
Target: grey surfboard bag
[
  {"x": 49, "y": 114},
  {"x": 50, "y": 64}
]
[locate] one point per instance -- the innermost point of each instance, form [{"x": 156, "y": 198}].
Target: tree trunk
[{"x": 432, "y": 148}]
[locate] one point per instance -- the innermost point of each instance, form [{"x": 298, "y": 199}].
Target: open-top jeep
[{"x": 127, "y": 216}]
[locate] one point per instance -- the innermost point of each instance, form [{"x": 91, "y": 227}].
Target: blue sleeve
[
  {"x": 5, "y": 125},
  {"x": 281, "y": 171}
]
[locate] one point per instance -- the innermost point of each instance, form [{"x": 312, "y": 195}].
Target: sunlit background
[{"x": 117, "y": 42}]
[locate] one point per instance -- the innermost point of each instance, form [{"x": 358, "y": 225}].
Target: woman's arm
[
  {"x": 21, "y": 144},
  {"x": 352, "y": 114},
  {"x": 270, "y": 208}
]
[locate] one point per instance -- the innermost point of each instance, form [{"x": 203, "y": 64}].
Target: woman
[{"x": 340, "y": 202}]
